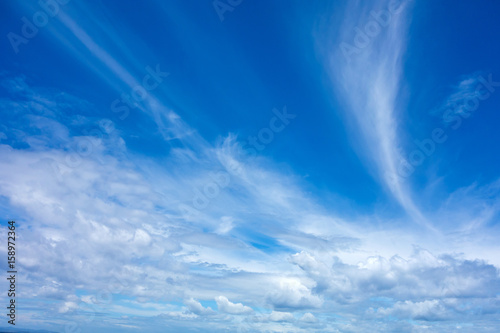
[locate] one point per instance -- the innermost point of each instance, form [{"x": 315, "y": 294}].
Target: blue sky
[{"x": 252, "y": 166}]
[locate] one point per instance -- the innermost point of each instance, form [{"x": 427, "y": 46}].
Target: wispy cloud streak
[{"x": 367, "y": 75}]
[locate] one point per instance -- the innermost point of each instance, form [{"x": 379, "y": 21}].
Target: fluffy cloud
[
  {"x": 291, "y": 293},
  {"x": 423, "y": 275},
  {"x": 280, "y": 316},
  {"x": 195, "y": 307},
  {"x": 309, "y": 318},
  {"x": 428, "y": 310},
  {"x": 226, "y": 306}
]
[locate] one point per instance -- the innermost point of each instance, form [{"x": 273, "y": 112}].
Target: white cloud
[
  {"x": 141, "y": 238},
  {"x": 195, "y": 307},
  {"x": 68, "y": 306},
  {"x": 309, "y": 318},
  {"x": 226, "y": 225},
  {"x": 281, "y": 316},
  {"x": 291, "y": 293},
  {"x": 423, "y": 275},
  {"x": 428, "y": 310},
  {"x": 274, "y": 316},
  {"x": 224, "y": 305}
]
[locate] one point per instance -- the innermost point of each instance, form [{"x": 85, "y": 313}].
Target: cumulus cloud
[
  {"x": 429, "y": 310},
  {"x": 292, "y": 293},
  {"x": 195, "y": 307},
  {"x": 224, "y": 305},
  {"x": 68, "y": 306},
  {"x": 368, "y": 82},
  {"x": 280, "y": 316},
  {"x": 309, "y": 318},
  {"x": 423, "y": 275}
]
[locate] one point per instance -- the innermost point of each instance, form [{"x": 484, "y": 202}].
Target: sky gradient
[{"x": 252, "y": 166}]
